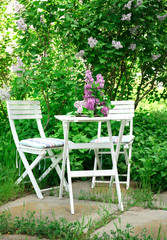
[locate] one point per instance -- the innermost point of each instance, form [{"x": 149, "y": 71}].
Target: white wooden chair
[
  {"x": 121, "y": 107},
  {"x": 42, "y": 146}
]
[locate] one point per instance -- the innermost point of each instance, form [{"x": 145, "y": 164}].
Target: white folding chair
[
  {"x": 121, "y": 107},
  {"x": 42, "y": 146}
]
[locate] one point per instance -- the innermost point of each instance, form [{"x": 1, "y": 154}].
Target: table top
[{"x": 71, "y": 118}]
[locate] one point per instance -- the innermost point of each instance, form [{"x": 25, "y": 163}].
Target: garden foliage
[{"x": 45, "y": 49}]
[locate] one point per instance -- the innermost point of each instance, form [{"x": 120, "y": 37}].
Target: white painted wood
[
  {"x": 121, "y": 109},
  {"x": 91, "y": 173},
  {"x": 31, "y": 110}
]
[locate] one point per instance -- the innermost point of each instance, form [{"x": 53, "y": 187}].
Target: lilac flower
[
  {"x": 155, "y": 57},
  {"x": 79, "y": 105},
  {"x": 133, "y": 30},
  {"x": 105, "y": 111},
  {"x": 139, "y": 2},
  {"x": 90, "y": 104},
  {"x": 18, "y": 7},
  {"x": 42, "y": 19},
  {"x": 87, "y": 93},
  {"x": 161, "y": 18},
  {"x": 18, "y": 68},
  {"x": 132, "y": 46},
  {"x": 126, "y": 17},
  {"x": 79, "y": 54},
  {"x": 89, "y": 79},
  {"x": 9, "y": 50},
  {"x": 128, "y": 5},
  {"x": 9, "y": 9},
  {"x": 92, "y": 42},
  {"x": 100, "y": 80},
  {"x": 21, "y": 24},
  {"x": 117, "y": 44},
  {"x": 88, "y": 86},
  {"x": 5, "y": 93}
]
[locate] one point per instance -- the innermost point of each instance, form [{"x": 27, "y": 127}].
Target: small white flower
[
  {"x": 39, "y": 10},
  {"x": 39, "y": 58},
  {"x": 92, "y": 42},
  {"x": 79, "y": 54},
  {"x": 9, "y": 50},
  {"x": 117, "y": 44},
  {"x": 132, "y": 46},
  {"x": 155, "y": 57},
  {"x": 21, "y": 24},
  {"x": 126, "y": 17}
]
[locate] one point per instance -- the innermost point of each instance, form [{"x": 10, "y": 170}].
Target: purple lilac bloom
[
  {"x": 105, "y": 110},
  {"x": 89, "y": 79},
  {"x": 90, "y": 103},
  {"x": 88, "y": 86},
  {"x": 88, "y": 94},
  {"x": 97, "y": 100},
  {"x": 100, "y": 80}
]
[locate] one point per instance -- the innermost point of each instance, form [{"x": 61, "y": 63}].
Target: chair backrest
[
  {"x": 122, "y": 108},
  {"x": 24, "y": 110}
]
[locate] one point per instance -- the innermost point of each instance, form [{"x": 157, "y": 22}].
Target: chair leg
[
  {"x": 56, "y": 166},
  {"x": 127, "y": 157},
  {"x": 94, "y": 177},
  {"x": 30, "y": 174},
  {"x": 128, "y": 177},
  {"x": 25, "y": 173},
  {"x": 96, "y": 164}
]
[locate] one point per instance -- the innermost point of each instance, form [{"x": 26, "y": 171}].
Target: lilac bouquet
[{"x": 94, "y": 102}]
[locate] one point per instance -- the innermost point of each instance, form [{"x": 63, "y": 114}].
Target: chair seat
[
  {"x": 42, "y": 142},
  {"x": 125, "y": 139}
]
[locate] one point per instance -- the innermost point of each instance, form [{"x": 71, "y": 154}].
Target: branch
[{"x": 152, "y": 83}]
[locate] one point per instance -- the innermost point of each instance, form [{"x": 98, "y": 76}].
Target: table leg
[
  {"x": 70, "y": 183},
  {"x": 65, "y": 152},
  {"x": 114, "y": 156}
]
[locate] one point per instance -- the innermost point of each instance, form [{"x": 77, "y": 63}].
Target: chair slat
[
  {"x": 24, "y": 109},
  {"x": 122, "y": 108},
  {"x": 24, "y": 102},
  {"x": 14, "y": 117},
  {"x": 128, "y": 102}
]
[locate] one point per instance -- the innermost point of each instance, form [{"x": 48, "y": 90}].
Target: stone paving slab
[
  {"x": 54, "y": 208},
  {"x": 139, "y": 218}
]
